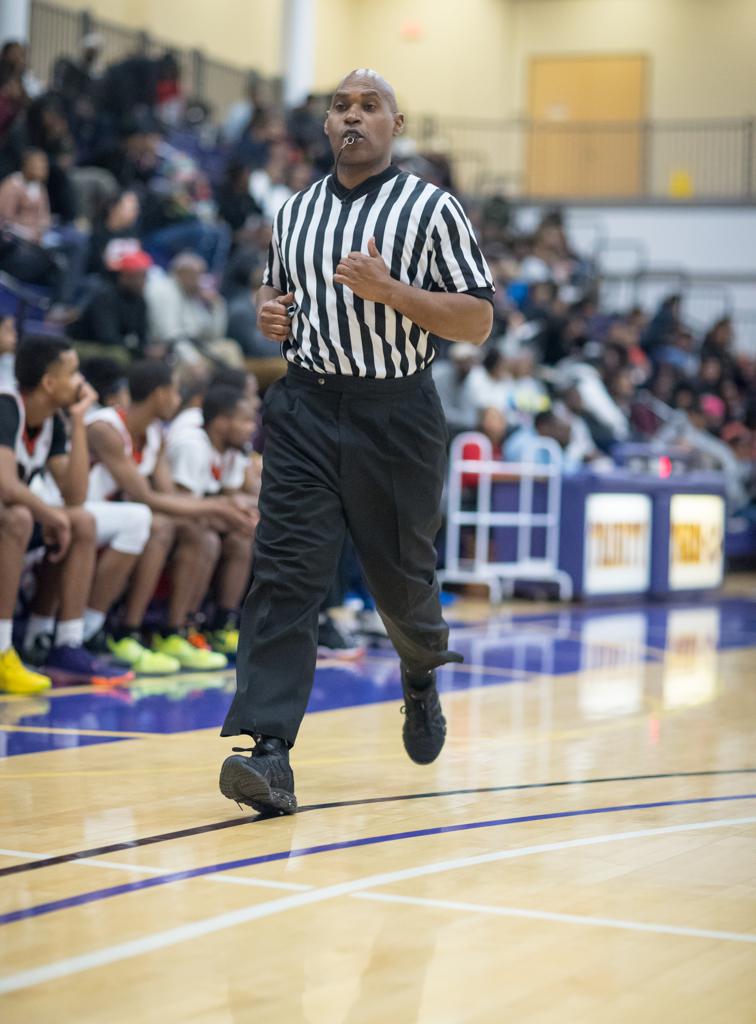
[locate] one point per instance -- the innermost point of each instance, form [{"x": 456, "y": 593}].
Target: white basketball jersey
[
  {"x": 31, "y": 453},
  {"x": 102, "y": 486}
]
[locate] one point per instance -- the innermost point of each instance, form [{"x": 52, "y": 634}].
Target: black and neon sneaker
[
  {"x": 264, "y": 780},
  {"x": 424, "y": 730}
]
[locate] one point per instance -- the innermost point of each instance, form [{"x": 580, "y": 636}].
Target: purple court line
[
  {"x": 267, "y": 858},
  {"x": 215, "y": 826}
]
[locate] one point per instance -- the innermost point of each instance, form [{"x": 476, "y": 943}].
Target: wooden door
[{"x": 586, "y": 133}]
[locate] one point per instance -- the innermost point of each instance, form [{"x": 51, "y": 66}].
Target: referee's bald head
[{"x": 370, "y": 79}]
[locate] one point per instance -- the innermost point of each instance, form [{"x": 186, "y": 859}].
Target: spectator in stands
[
  {"x": 607, "y": 423},
  {"x": 235, "y": 204},
  {"x": 621, "y": 388},
  {"x": 679, "y": 352},
  {"x": 734, "y": 399},
  {"x": 529, "y": 394},
  {"x": 209, "y": 459},
  {"x": 118, "y": 220},
  {"x": 242, "y": 314},
  {"x": 25, "y": 215},
  {"x": 493, "y": 425},
  {"x": 522, "y": 445},
  {"x": 15, "y": 55},
  {"x": 625, "y": 336},
  {"x": 684, "y": 396},
  {"x": 33, "y": 441},
  {"x": 129, "y": 85},
  {"x": 130, "y": 461},
  {"x": 75, "y": 78},
  {"x": 718, "y": 345},
  {"x": 169, "y": 99},
  {"x": 186, "y": 312},
  {"x": 452, "y": 379},
  {"x": 664, "y": 325},
  {"x": 116, "y": 312},
  {"x": 550, "y": 259},
  {"x": 690, "y": 433},
  {"x": 264, "y": 131},
  {"x": 240, "y": 113},
  {"x": 581, "y": 447},
  {"x": 132, "y": 156},
  {"x": 171, "y": 205},
  {"x": 490, "y": 383},
  {"x": 47, "y": 129},
  {"x": 12, "y": 102},
  {"x": 268, "y": 185}
]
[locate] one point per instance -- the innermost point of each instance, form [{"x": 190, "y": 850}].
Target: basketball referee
[{"x": 365, "y": 266}]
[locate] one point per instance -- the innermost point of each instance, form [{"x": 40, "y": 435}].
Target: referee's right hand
[{"x": 273, "y": 319}]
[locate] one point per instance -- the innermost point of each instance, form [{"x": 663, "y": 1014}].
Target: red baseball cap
[{"x": 122, "y": 257}]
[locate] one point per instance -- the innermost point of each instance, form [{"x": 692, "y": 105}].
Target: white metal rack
[{"x": 500, "y": 577}]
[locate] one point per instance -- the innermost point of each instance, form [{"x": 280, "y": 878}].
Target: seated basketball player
[
  {"x": 33, "y": 438},
  {"x": 208, "y": 459},
  {"x": 129, "y": 462}
]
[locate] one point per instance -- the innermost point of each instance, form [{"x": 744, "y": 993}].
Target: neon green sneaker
[
  {"x": 224, "y": 640},
  {"x": 188, "y": 656},
  {"x": 144, "y": 661}
]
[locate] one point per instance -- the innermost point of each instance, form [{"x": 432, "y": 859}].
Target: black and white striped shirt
[{"x": 426, "y": 241}]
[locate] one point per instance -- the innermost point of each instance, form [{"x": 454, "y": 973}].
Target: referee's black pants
[{"x": 340, "y": 453}]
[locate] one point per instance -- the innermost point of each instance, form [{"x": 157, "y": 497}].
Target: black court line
[{"x": 217, "y": 826}]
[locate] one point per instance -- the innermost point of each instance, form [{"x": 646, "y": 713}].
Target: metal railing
[
  {"x": 659, "y": 160},
  {"x": 56, "y": 32}
]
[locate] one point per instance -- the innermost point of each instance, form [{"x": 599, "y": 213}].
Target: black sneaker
[
  {"x": 335, "y": 643},
  {"x": 424, "y": 729},
  {"x": 264, "y": 780},
  {"x": 37, "y": 654}
]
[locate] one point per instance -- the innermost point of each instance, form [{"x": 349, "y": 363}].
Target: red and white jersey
[
  {"x": 195, "y": 464},
  {"x": 102, "y": 486},
  {"x": 32, "y": 448},
  {"x": 186, "y": 421}
]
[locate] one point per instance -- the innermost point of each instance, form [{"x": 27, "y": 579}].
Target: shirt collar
[{"x": 370, "y": 184}]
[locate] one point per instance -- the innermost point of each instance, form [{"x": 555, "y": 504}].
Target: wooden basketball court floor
[{"x": 583, "y": 850}]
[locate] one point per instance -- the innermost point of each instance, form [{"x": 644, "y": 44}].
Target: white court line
[
  {"x": 546, "y": 915},
  {"x": 197, "y": 929},
  {"x": 146, "y": 870}
]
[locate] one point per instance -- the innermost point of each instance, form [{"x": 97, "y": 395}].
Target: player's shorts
[{"x": 123, "y": 526}]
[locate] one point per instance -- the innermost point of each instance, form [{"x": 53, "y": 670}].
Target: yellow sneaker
[
  {"x": 188, "y": 656},
  {"x": 15, "y": 677}
]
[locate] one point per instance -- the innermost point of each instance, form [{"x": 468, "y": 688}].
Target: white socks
[
  {"x": 38, "y": 625},
  {"x": 67, "y": 634},
  {"x": 6, "y": 635},
  {"x": 70, "y": 633},
  {"x": 93, "y": 622}
]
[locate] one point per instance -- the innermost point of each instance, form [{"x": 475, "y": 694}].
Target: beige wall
[
  {"x": 470, "y": 57},
  {"x": 701, "y": 52},
  {"x": 246, "y": 33},
  {"x": 459, "y": 64}
]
